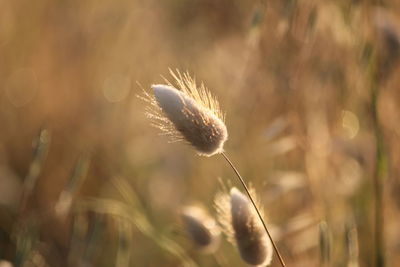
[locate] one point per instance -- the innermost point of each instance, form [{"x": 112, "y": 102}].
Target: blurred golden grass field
[{"x": 311, "y": 94}]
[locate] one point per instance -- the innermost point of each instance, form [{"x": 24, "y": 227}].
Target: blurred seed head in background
[{"x": 202, "y": 228}]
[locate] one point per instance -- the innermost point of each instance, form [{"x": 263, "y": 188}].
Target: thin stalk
[
  {"x": 380, "y": 163},
  {"x": 255, "y": 206},
  {"x": 379, "y": 174}
]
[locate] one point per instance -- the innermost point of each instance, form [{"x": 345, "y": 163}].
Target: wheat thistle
[
  {"x": 202, "y": 229},
  {"x": 243, "y": 228},
  {"x": 190, "y": 113}
]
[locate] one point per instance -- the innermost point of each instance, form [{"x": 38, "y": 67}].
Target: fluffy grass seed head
[
  {"x": 243, "y": 227},
  {"x": 188, "y": 113},
  {"x": 202, "y": 229}
]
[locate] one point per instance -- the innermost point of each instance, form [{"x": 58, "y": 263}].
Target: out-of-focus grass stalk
[
  {"x": 352, "y": 244},
  {"x": 133, "y": 213},
  {"x": 26, "y": 228},
  {"x": 39, "y": 155},
  {"x": 253, "y": 40},
  {"x": 324, "y": 244},
  {"x": 85, "y": 238},
  {"x": 118, "y": 209},
  {"x": 79, "y": 174},
  {"x": 76, "y": 179},
  {"x": 95, "y": 236},
  {"x": 143, "y": 224},
  {"x": 26, "y": 240},
  {"x": 380, "y": 163},
  {"x": 79, "y": 229},
  {"x": 124, "y": 243}
]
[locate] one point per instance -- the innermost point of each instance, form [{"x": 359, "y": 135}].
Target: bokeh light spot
[
  {"x": 350, "y": 124},
  {"x": 21, "y": 87},
  {"x": 116, "y": 87}
]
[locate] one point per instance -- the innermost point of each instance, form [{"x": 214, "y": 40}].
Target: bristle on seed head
[
  {"x": 189, "y": 113},
  {"x": 243, "y": 227},
  {"x": 202, "y": 229}
]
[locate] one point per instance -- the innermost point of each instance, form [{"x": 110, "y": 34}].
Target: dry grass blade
[
  {"x": 77, "y": 178},
  {"x": 124, "y": 243},
  {"x": 27, "y": 238},
  {"x": 324, "y": 244},
  {"x": 352, "y": 244},
  {"x": 131, "y": 214},
  {"x": 142, "y": 223},
  {"x": 39, "y": 155}
]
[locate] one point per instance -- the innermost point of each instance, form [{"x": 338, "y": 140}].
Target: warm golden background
[{"x": 86, "y": 181}]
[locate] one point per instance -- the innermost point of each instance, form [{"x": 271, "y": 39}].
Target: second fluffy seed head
[{"x": 243, "y": 227}]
